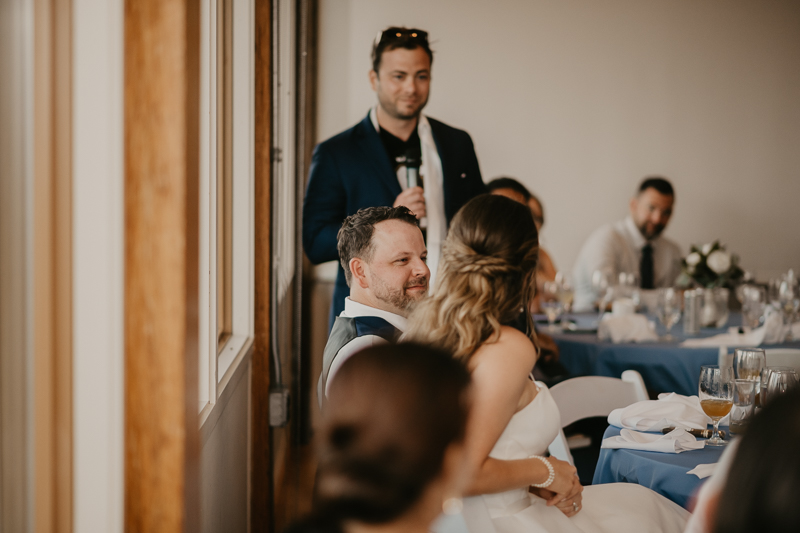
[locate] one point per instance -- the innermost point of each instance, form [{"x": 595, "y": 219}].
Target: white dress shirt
[
  {"x": 616, "y": 248},
  {"x": 435, "y": 221},
  {"x": 352, "y": 310}
]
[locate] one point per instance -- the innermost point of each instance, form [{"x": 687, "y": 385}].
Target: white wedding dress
[{"x": 610, "y": 508}]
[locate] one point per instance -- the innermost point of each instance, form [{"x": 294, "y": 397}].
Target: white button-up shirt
[{"x": 616, "y": 248}]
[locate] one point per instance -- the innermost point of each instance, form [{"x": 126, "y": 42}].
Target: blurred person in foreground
[
  {"x": 756, "y": 484},
  {"x": 634, "y": 245},
  {"x": 390, "y": 449},
  {"x": 368, "y": 164},
  {"x": 487, "y": 274},
  {"x": 383, "y": 256},
  {"x": 547, "y": 368}
]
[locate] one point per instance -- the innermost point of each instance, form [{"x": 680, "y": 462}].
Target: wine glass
[
  {"x": 789, "y": 299},
  {"x": 781, "y": 381},
  {"x": 668, "y": 310},
  {"x": 716, "y": 397},
  {"x": 603, "y": 288},
  {"x": 566, "y": 294},
  {"x": 551, "y": 303},
  {"x": 748, "y": 363},
  {"x": 629, "y": 286},
  {"x": 754, "y": 302}
]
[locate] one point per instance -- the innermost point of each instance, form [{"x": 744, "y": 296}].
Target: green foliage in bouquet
[{"x": 710, "y": 266}]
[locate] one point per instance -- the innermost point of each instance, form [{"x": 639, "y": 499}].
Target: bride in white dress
[{"x": 486, "y": 278}]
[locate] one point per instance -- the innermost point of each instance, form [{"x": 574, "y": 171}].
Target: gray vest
[{"x": 345, "y": 329}]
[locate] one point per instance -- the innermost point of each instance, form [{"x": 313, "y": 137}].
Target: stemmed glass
[
  {"x": 749, "y": 362},
  {"x": 668, "y": 310},
  {"x": 789, "y": 299},
  {"x": 716, "y": 397},
  {"x": 551, "y": 303},
  {"x": 754, "y": 302},
  {"x": 603, "y": 288},
  {"x": 565, "y": 292},
  {"x": 781, "y": 380}
]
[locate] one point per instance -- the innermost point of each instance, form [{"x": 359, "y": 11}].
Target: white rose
[
  {"x": 693, "y": 259},
  {"x": 719, "y": 261},
  {"x": 707, "y": 248}
]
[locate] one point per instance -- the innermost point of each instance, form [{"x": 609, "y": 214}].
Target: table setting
[
  {"x": 667, "y": 334},
  {"x": 672, "y": 444}
]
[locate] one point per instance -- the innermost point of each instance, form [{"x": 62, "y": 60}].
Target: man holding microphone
[{"x": 395, "y": 156}]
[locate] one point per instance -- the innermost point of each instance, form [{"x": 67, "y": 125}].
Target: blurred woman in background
[
  {"x": 511, "y": 188},
  {"x": 390, "y": 448}
]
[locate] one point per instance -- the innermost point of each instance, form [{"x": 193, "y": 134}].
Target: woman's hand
[{"x": 565, "y": 491}]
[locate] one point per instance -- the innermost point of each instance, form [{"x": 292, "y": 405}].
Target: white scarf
[{"x": 433, "y": 181}]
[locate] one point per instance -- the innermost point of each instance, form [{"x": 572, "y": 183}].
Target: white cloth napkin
[
  {"x": 703, "y": 471},
  {"x": 670, "y": 410},
  {"x": 675, "y": 441},
  {"x": 626, "y": 328},
  {"x": 772, "y": 332}
]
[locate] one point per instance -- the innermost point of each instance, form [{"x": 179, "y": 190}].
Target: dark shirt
[{"x": 398, "y": 148}]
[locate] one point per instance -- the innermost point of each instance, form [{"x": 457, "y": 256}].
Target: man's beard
[
  {"x": 657, "y": 229},
  {"x": 399, "y": 298},
  {"x": 392, "y": 109}
]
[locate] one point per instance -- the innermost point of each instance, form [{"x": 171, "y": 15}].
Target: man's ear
[
  {"x": 633, "y": 204},
  {"x": 373, "y": 79},
  {"x": 358, "y": 271}
]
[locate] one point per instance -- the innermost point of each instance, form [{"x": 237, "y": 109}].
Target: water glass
[{"x": 744, "y": 398}]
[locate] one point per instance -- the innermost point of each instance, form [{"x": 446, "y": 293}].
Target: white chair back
[
  {"x": 590, "y": 396},
  {"x": 784, "y": 357}
]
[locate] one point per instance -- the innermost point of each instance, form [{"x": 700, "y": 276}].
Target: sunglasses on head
[{"x": 400, "y": 34}]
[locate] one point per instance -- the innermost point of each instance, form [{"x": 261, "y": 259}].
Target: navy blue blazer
[{"x": 351, "y": 171}]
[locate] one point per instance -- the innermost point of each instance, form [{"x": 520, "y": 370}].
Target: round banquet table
[
  {"x": 665, "y": 473},
  {"x": 664, "y": 366}
]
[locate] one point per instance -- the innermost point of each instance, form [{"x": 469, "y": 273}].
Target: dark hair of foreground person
[
  {"x": 394, "y": 413},
  {"x": 762, "y": 491}
]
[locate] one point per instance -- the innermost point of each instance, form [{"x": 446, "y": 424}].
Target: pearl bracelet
[{"x": 550, "y": 477}]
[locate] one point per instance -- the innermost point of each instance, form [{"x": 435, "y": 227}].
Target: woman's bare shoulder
[{"x": 511, "y": 348}]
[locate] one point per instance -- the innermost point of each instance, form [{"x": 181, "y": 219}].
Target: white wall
[
  {"x": 581, "y": 99},
  {"x": 98, "y": 255}
]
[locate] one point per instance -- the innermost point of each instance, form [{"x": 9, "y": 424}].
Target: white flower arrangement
[{"x": 710, "y": 266}]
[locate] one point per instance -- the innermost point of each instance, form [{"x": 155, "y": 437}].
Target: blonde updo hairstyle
[{"x": 486, "y": 277}]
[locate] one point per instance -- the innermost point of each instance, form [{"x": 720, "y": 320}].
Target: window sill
[{"x": 236, "y": 358}]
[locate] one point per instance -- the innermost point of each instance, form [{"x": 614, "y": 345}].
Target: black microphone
[{"x": 413, "y": 160}]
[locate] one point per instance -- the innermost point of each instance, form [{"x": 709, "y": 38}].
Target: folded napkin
[
  {"x": 772, "y": 332},
  {"x": 675, "y": 441},
  {"x": 670, "y": 410},
  {"x": 626, "y": 328},
  {"x": 703, "y": 471}
]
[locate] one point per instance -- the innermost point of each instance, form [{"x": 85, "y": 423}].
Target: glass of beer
[{"x": 716, "y": 397}]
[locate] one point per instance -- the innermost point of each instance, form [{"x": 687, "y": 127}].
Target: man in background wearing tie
[
  {"x": 633, "y": 245},
  {"x": 395, "y": 156}
]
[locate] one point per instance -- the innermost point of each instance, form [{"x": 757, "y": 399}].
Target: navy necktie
[{"x": 646, "y": 267}]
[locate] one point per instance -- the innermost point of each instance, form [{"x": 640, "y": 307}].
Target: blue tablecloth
[
  {"x": 664, "y": 473},
  {"x": 665, "y": 367}
]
